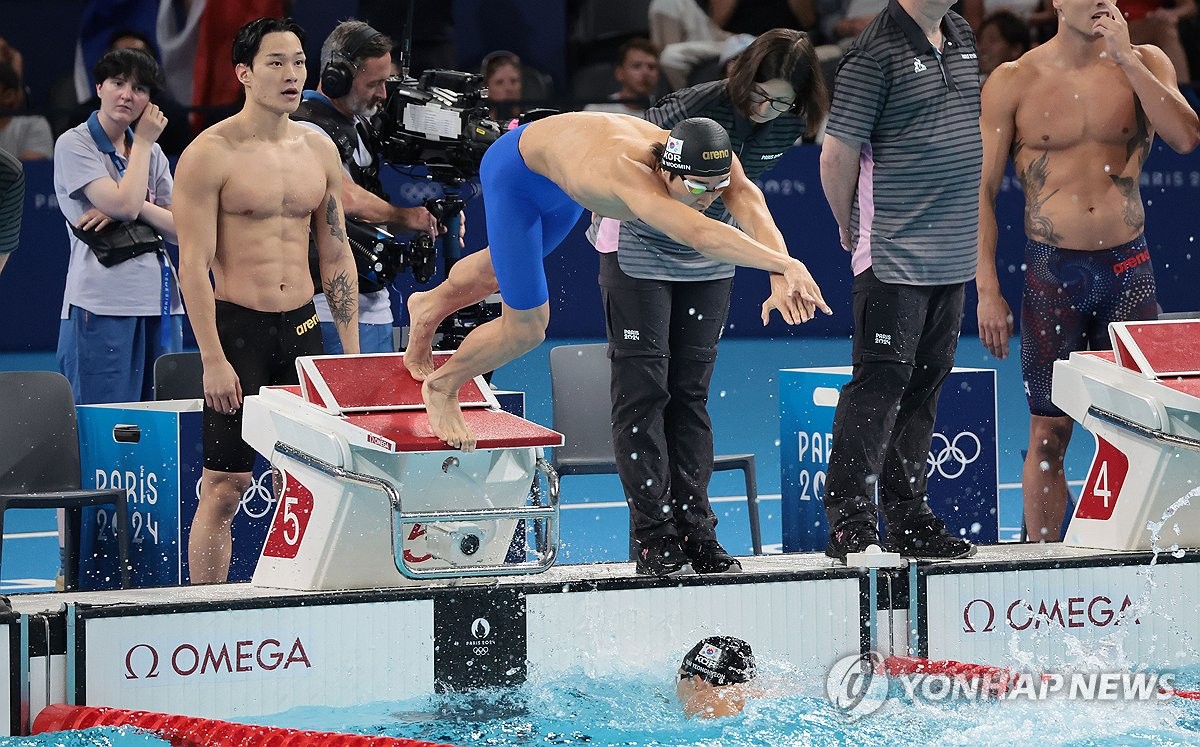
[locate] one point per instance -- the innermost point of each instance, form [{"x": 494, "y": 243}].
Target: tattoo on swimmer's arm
[
  {"x": 331, "y": 217},
  {"x": 342, "y": 297},
  {"x": 1139, "y": 143}
]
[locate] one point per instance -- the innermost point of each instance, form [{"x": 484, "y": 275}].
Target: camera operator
[{"x": 355, "y": 63}]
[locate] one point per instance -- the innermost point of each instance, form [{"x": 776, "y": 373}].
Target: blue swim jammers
[{"x": 528, "y": 216}]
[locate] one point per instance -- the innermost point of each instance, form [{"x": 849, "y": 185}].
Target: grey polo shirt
[
  {"x": 133, "y": 287},
  {"x": 645, "y": 252},
  {"x": 915, "y": 115}
]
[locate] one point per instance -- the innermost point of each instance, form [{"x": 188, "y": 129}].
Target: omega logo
[
  {"x": 143, "y": 661},
  {"x": 979, "y": 615}
]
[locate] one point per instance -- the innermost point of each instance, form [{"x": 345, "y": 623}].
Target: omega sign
[
  {"x": 145, "y": 661},
  {"x": 982, "y": 616}
]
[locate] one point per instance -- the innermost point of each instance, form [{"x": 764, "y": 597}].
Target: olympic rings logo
[
  {"x": 259, "y": 489},
  {"x": 951, "y": 460}
]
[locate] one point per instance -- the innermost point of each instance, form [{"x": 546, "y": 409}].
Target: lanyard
[{"x": 105, "y": 146}]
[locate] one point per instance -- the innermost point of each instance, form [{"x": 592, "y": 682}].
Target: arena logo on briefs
[{"x": 307, "y": 325}]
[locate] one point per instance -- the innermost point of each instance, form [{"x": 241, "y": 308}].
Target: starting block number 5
[
  {"x": 1104, "y": 481},
  {"x": 291, "y": 519}
]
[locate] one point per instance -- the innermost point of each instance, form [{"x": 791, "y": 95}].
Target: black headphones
[{"x": 338, "y": 76}]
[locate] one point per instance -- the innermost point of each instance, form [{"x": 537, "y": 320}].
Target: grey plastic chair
[
  {"x": 178, "y": 376},
  {"x": 582, "y": 412},
  {"x": 39, "y": 462}
]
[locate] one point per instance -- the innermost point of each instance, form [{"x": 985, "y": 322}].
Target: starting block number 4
[
  {"x": 1104, "y": 481},
  {"x": 291, "y": 519}
]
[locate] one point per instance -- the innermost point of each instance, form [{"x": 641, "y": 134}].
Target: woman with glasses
[{"x": 666, "y": 303}]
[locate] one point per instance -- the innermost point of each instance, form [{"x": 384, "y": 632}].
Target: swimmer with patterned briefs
[
  {"x": 1078, "y": 116},
  {"x": 537, "y": 181},
  {"x": 249, "y": 190}
]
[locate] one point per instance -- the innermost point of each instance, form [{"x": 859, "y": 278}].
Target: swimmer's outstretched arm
[
  {"x": 712, "y": 238},
  {"x": 198, "y": 180},
  {"x": 746, "y": 204},
  {"x": 339, "y": 277}
]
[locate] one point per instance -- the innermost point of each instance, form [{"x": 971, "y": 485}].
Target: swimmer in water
[{"x": 717, "y": 677}]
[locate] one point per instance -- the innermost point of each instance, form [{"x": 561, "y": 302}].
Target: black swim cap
[
  {"x": 698, "y": 146},
  {"x": 721, "y": 660}
]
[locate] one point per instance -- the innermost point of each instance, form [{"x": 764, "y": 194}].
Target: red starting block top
[
  {"x": 409, "y": 431},
  {"x": 1158, "y": 349},
  {"x": 493, "y": 429},
  {"x": 361, "y": 383}
]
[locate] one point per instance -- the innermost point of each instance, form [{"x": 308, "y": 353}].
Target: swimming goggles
[{"x": 699, "y": 188}]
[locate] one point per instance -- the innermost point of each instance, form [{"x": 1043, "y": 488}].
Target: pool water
[{"x": 633, "y": 710}]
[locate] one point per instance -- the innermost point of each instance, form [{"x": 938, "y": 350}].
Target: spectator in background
[
  {"x": 1003, "y": 37},
  {"x": 27, "y": 136},
  {"x": 177, "y": 135},
  {"x": 501, "y": 72},
  {"x": 686, "y": 37},
  {"x": 757, "y": 16},
  {"x": 1157, "y": 22},
  {"x": 637, "y": 72},
  {"x": 721, "y": 67},
  {"x": 13, "y": 57},
  {"x": 12, "y": 203},
  {"x": 117, "y": 319}
]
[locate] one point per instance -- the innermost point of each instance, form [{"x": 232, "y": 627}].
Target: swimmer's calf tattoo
[
  {"x": 342, "y": 297},
  {"x": 331, "y": 217}
]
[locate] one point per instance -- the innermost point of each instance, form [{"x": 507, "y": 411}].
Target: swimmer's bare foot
[
  {"x": 446, "y": 418},
  {"x": 422, "y": 324}
]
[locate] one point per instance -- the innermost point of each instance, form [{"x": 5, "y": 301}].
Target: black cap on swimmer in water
[
  {"x": 698, "y": 146},
  {"x": 721, "y": 660}
]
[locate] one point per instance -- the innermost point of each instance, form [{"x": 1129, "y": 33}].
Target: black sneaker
[
  {"x": 853, "y": 537},
  {"x": 707, "y": 556},
  {"x": 661, "y": 557},
  {"x": 926, "y": 537}
]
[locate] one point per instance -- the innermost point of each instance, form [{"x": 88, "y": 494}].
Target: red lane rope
[
  {"x": 187, "y": 731},
  {"x": 1001, "y": 678}
]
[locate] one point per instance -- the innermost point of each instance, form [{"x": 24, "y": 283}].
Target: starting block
[
  {"x": 1142, "y": 402},
  {"x": 369, "y": 497}
]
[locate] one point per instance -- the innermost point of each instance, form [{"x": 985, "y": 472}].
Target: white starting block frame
[
  {"x": 1142, "y": 403},
  {"x": 370, "y": 498}
]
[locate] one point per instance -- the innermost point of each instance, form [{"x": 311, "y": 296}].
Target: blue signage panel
[
  {"x": 962, "y": 463},
  {"x": 155, "y": 455}
]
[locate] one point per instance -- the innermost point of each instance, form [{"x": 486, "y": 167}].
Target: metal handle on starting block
[
  {"x": 1147, "y": 433},
  {"x": 547, "y": 550},
  {"x": 549, "y": 513}
]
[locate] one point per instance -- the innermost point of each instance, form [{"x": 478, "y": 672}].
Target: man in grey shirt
[{"x": 900, "y": 166}]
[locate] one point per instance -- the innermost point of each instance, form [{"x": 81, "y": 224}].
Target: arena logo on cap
[{"x": 712, "y": 155}]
